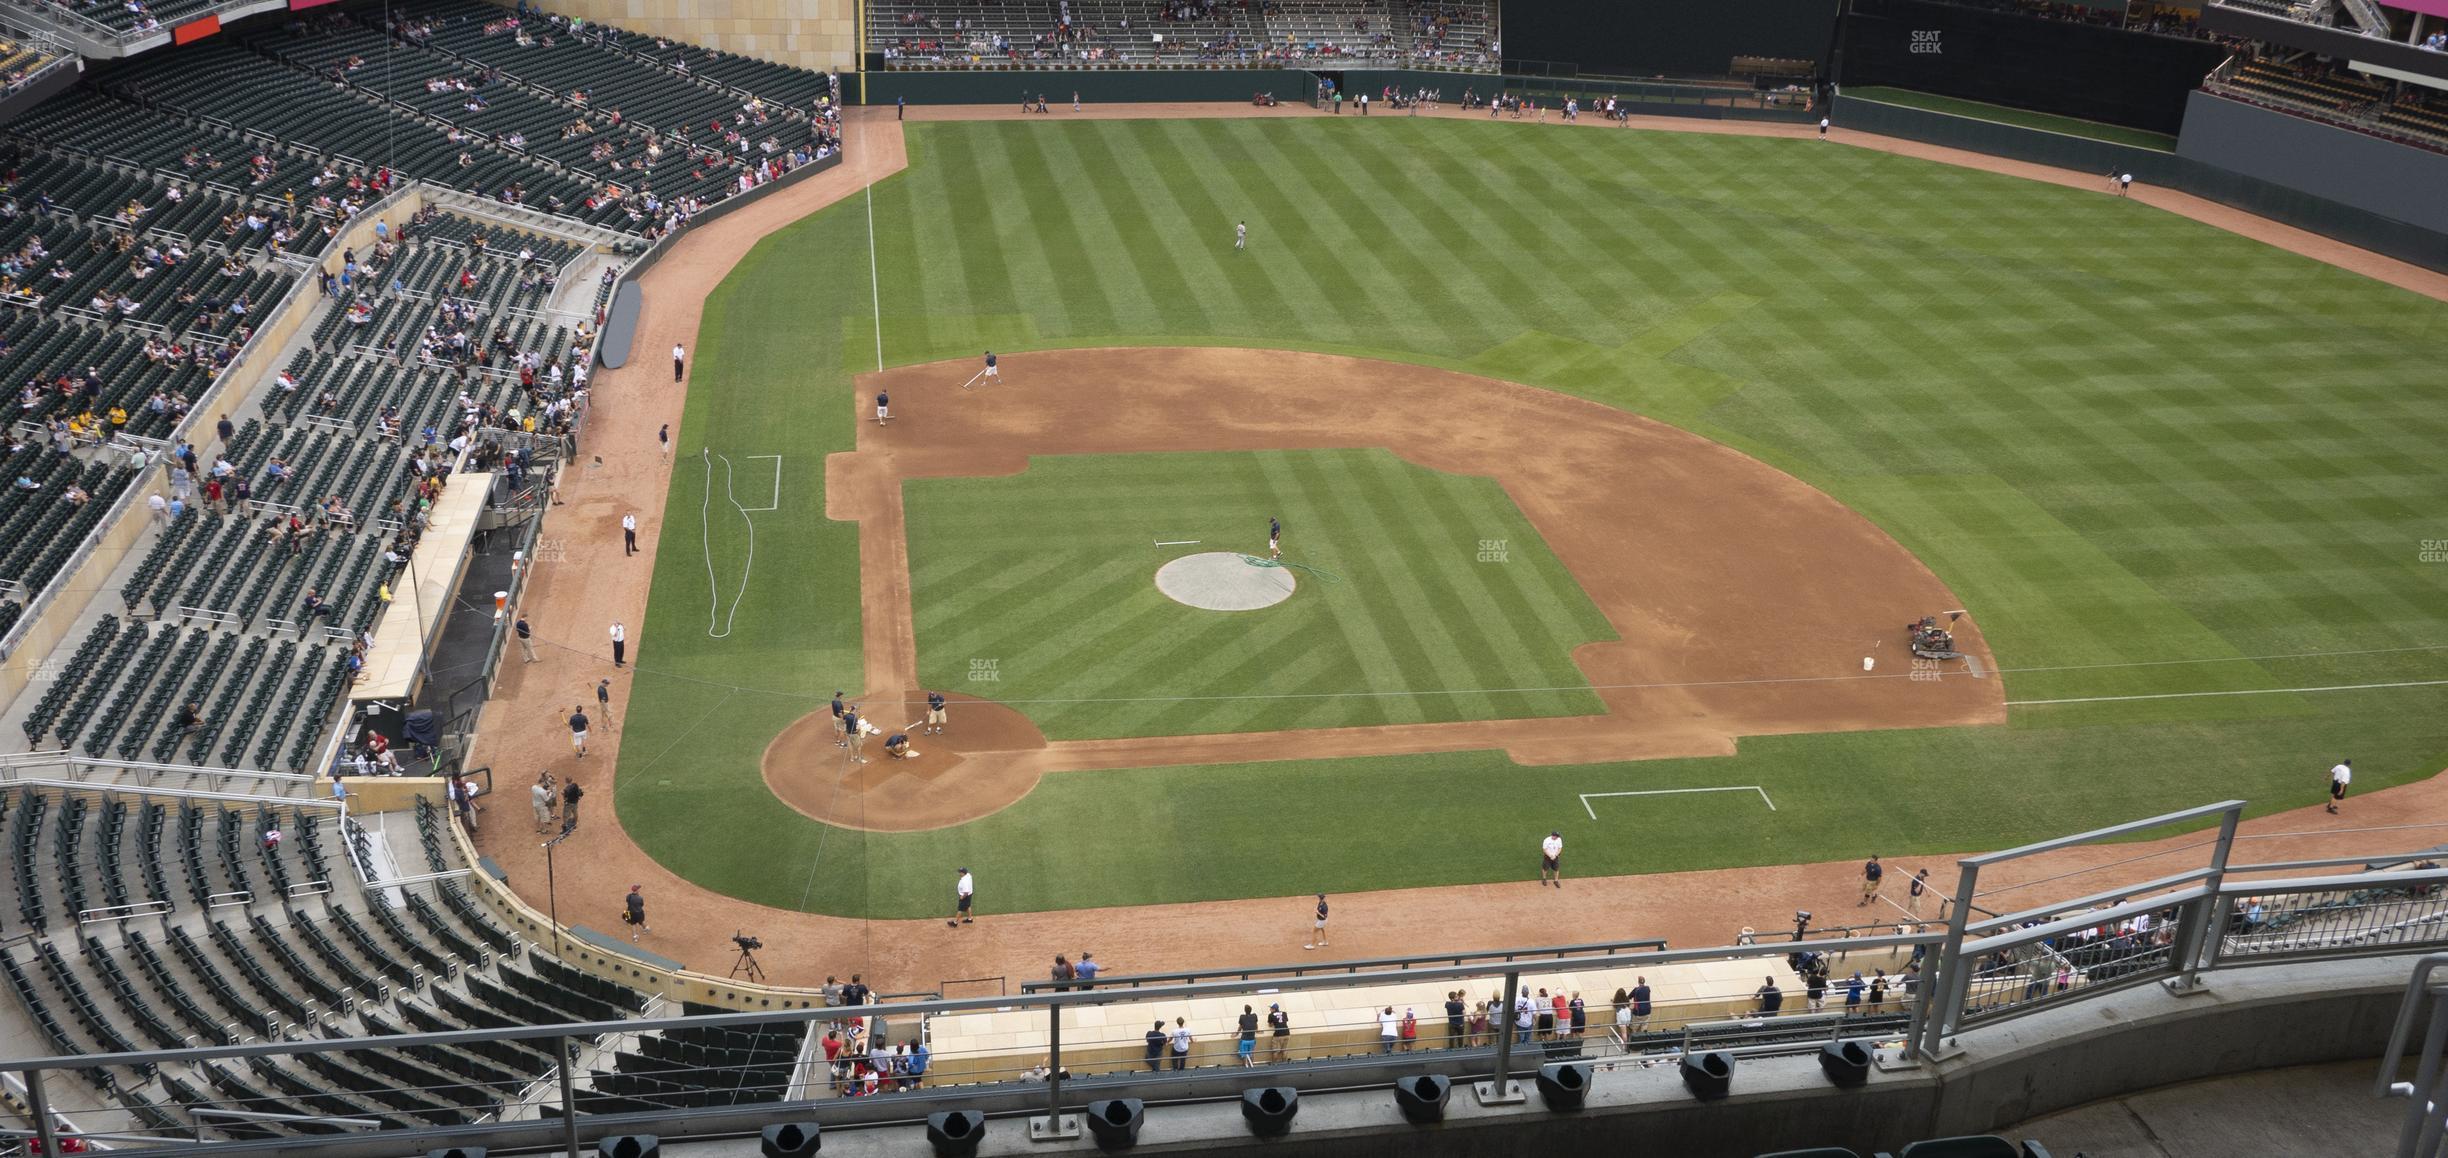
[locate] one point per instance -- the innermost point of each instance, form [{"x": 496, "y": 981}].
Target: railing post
[
  {"x": 1500, "y": 1091},
  {"x": 569, "y": 1096},
  {"x": 44, "y": 1127},
  {"x": 1942, "y": 995},
  {"x": 2197, "y": 944},
  {"x": 1055, "y": 1126}
]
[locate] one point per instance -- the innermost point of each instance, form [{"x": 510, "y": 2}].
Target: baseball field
[{"x": 1608, "y": 456}]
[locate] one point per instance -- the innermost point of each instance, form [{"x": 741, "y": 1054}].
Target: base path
[{"x": 571, "y": 602}]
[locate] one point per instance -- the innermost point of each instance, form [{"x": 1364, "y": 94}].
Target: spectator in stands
[
  {"x": 187, "y": 720},
  {"x": 1771, "y": 998},
  {"x": 378, "y": 751}
]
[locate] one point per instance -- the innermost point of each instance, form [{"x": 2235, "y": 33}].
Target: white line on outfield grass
[
  {"x": 1586, "y": 797},
  {"x": 875, "y": 288},
  {"x": 2239, "y": 692}
]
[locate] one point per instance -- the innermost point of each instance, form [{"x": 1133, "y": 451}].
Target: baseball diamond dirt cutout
[{"x": 1721, "y": 576}]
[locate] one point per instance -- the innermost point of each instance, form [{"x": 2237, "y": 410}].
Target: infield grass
[
  {"x": 1044, "y": 584},
  {"x": 2152, "y": 458}
]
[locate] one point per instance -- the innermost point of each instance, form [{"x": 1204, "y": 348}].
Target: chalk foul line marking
[
  {"x": 1586, "y": 797},
  {"x": 2237, "y": 692},
  {"x": 777, "y": 488},
  {"x": 705, "y": 523},
  {"x": 875, "y": 287}
]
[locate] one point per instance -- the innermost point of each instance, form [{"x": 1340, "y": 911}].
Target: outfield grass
[
  {"x": 1048, "y": 577},
  {"x": 2145, "y": 453},
  {"x": 2025, "y": 118}
]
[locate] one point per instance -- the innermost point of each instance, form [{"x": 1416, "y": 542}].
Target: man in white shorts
[
  {"x": 883, "y": 407},
  {"x": 992, "y": 374},
  {"x": 578, "y": 730},
  {"x": 1241, "y": 235},
  {"x": 1317, "y": 931},
  {"x": 1551, "y": 859}
]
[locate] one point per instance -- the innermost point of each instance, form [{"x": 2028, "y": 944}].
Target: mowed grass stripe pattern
[
  {"x": 2122, "y": 438},
  {"x": 1039, "y": 590}
]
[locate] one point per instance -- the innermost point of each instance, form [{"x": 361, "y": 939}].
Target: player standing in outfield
[
  {"x": 2124, "y": 184},
  {"x": 883, "y": 407},
  {"x": 1317, "y": 931},
  {"x": 1551, "y": 859},
  {"x": 1823, "y": 128},
  {"x": 1241, "y": 235},
  {"x": 1274, "y": 538},
  {"x": 2339, "y": 778},
  {"x": 935, "y": 714}
]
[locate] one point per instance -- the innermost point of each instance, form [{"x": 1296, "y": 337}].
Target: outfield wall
[
  {"x": 2077, "y": 70},
  {"x": 2242, "y": 162},
  {"x": 1005, "y": 86},
  {"x": 1671, "y": 37},
  {"x": 2398, "y": 182}
]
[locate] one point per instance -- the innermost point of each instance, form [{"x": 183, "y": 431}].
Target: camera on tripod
[{"x": 747, "y": 964}]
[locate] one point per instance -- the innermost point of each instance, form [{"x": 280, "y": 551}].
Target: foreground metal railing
[{"x": 527, "y": 1085}]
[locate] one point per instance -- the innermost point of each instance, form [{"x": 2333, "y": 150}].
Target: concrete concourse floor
[{"x": 2322, "y": 1111}]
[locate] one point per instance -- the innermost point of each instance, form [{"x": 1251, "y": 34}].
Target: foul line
[
  {"x": 875, "y": 287},
  {"x": 1586, "y": 797},
  {"x": 705, "y": 523},
  {"x": 2240, "y": 692}
]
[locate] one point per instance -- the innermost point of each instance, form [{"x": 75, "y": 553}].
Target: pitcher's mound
[{"x": 1224, "y": 581}]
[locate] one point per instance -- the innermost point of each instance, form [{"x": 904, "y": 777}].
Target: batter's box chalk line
[
  {"x": 1304, "y": 568},
  {"x": 1586, "y": 797},
  {"x": 718, "y": 623}
]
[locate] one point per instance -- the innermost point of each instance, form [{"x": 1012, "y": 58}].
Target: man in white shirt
[
  {"x": 679, "y": 361},
  {"x": 1525, "y": 1018},
  {"x": 1389, "y": 1030},
  {"x": 629, "y": 534},
  {"x": 1551, "y": 858},
  {"x": 2339, "y": 778},
  {"x": 620, "y": 645},
  {"x": 964, "y": 893}
]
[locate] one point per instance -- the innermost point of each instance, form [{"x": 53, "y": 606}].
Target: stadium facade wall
[
  {"x": 819, "y": 34},
  {"x": 2076, "y": 70},
  {"x": 1667, "y": 37},
  {"x": 2338, "y": 187}
]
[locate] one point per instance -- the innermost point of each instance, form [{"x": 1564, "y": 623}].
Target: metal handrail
[{"x": 1255, "y": 972}]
